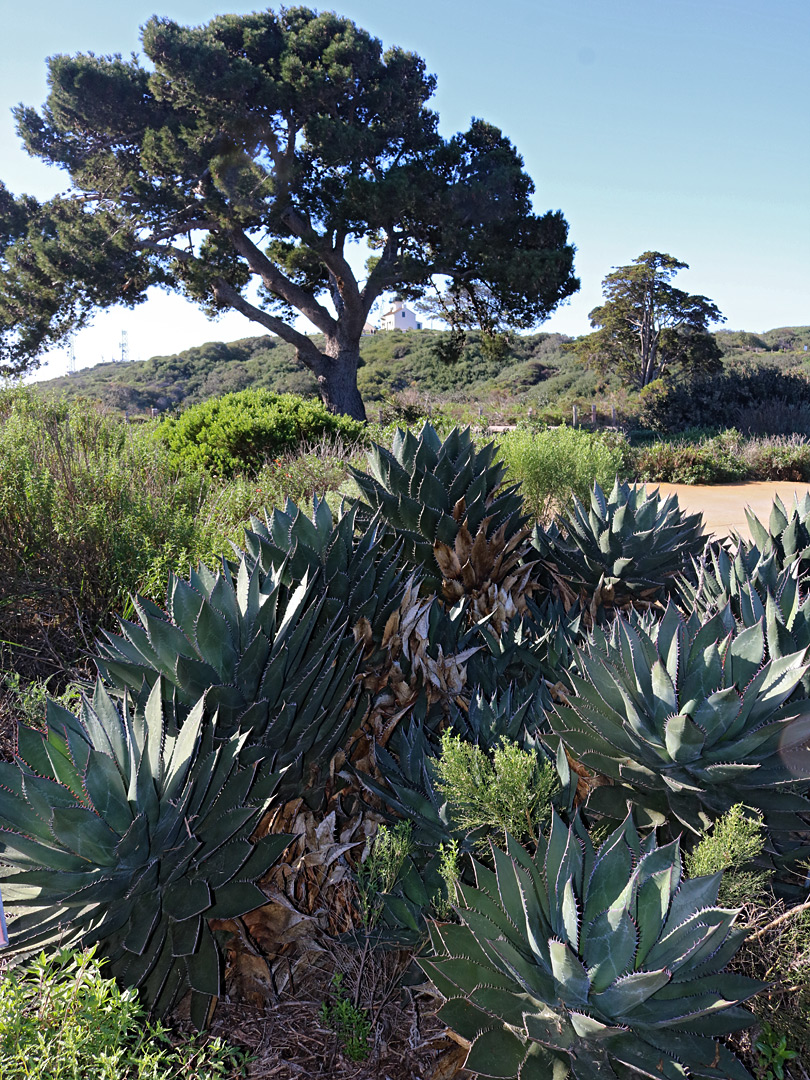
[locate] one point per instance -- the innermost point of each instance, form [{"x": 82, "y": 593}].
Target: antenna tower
[
  {"x": 71, "y": 359},
  {"x": 124, "y": 347}
]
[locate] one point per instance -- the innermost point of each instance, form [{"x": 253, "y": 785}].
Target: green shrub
[
  {"x": 716, "y": 460},
  {"x": 60, "y": 1019},
  {"x": 93, "y": 509},
  {"x": 749, "y": 394},
  {"x": 509, "y": 792},
  {"x": 89, "y": 509},
  {"x": 779, "y": 457},
  {"x": 730, "y": 846},
  {"x": 552, "y": 464},
  {"x": 239, "y": 433},
  {"x": 29, "y": 700}
]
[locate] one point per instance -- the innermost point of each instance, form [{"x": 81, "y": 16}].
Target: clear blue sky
[{"x": 674, "y": 125}]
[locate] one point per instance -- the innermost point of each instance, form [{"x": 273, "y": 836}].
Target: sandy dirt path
[{"x": 723, "y": 508}]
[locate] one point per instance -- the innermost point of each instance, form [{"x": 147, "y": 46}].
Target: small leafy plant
[
  {"x": 350, "y": 1023},
  {"x": 772, "y": 1051},
  {"x": 60, "y": 1019},
  {"x": 450, "y": 873},
  {"x": 379, "y": 872}
]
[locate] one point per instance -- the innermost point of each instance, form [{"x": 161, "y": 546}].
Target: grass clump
[
  {"x": 510, "y": 792},
  {"x": 552, "y": 464},
  {"x": 380, "y": 870},
  {"x": 60, "y": 1019}
]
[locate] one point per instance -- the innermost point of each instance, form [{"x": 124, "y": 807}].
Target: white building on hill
[{"x": 398, "y": 317}]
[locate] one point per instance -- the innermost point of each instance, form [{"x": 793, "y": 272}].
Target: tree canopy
[
  {"x": 257, "y": 149},
  {"x": 646, "y": 327}
]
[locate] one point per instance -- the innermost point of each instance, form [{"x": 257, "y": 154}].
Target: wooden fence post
[
  {"x": 593, "y": 415},
  {"x": 576, "y": 416}
]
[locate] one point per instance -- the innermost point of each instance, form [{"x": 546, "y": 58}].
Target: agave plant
[
  {"x": 121, "y": 829},
  {"x": 458, "y": 526},
  {"x": 531, "y": 652},
  {"x": 720, "y": 577},
  {"x": 753, "y": 589},
  {"x": 688, "y": 718},
  {"x": 591, "y": 962},
  {"x": 274, "y": 663},
  {"x": 787, "y": 535},
  {"x": 625, "y": 548},
  {"x": 361, "y": 581}
]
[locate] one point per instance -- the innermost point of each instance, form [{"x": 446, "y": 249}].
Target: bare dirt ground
[{"x": 723, "y": 507}]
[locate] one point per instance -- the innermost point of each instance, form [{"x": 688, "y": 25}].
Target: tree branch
[
  {"x": 280, "y": 285},
  {"x": 307, "y": 351},
  {"x": 331, "y": 256}
]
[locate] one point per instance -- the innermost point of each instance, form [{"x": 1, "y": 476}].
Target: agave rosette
[
  {"x": 458, "y": 526},
  {"x": 688, "y": 718},
  {"x": 273, "y": 661},
  {"x": 119, "y": 828},
  {"x": 624, "y": 548},
  {"x": 361, "y": 580},
  {"x": 787, "y": 534},
  {"x": 591, "y": 962}
]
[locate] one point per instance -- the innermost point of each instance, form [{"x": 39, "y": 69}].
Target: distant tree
[
  {"x": 646, "y": 327},
  {"x": 255, "y": 149}
]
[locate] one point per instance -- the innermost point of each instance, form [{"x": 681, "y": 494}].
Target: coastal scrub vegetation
[{"x": 548, "y": 747}]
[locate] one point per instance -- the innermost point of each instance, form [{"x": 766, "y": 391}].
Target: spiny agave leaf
[
  {"x": 628, "y": 992},
  {"x": 684, "y": 740},
  {"x": 24, "y": 851},
  {"x": 235, "y": 899},
  {"x": 106, "y": 791},
  {"x": 609, "y": 944},
  {"x": 213, "y": 639},
  {"x": 496, "y": 1052},
  {"x": 79, "y": 830},
  {"x": 31, "y": 750},
  {"x": 569, "y": 972},
  {"x": 183, "y": 601},
  {"x": 186, "y": 898},
  {"x": 167, "y": 641}
]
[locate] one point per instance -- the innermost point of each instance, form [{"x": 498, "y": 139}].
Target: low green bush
[
  {"x": 241, "y": 432},
  {"x": 730, "y": 847},
  {"x": 780, "y": 457},
  {"x": 509, "y": 793},
  {"x": 716, "y": 460},
  {"x": 554, "y": 463},
  {"x": 93, "y": 509},
  {"x": 60, "y": 1019}
]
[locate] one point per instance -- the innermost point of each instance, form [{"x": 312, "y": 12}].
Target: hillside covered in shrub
[{"x": 525, "y": 371}]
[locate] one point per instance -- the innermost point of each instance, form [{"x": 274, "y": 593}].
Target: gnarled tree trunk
[{"x": 337, "y": 379}]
